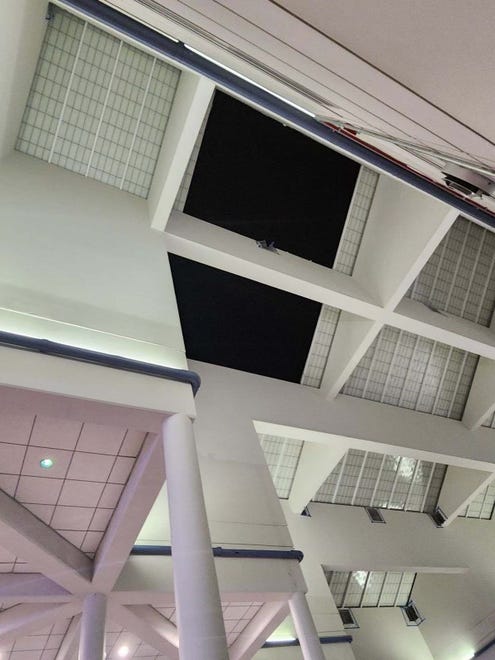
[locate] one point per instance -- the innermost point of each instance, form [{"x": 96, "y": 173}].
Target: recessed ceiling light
[
  {"x": 123, "y": 652},
  {"x": 47, "y": 463}
]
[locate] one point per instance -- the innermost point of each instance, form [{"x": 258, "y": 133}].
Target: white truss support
[
  {"x": 315, "y": 464},
  {"x": 134, "y": 624},
  {"x": 481, "y": 400},
  {"x": 29, "y": 618},
  {"x": 213, "y": 246},
  {"x": 30, "y": 588},
  {"x": 70, "y": 643},
  {"x": 403, "y": 229},
  {"x": 161, "y": 624},
  {"x": 459, "y": 489},
  {"x": 255, "y": 634},
  {"x": 189, "y": 108},
  {"x": 136, "y": 501},
  {"x": 27, "y": 537}
]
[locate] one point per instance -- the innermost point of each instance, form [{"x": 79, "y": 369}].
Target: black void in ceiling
[{"x": 265, "y": 181}]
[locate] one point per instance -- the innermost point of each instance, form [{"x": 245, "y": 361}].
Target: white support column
[
  {"x": 92, "y": 643},
  {"x": 197, "y": 597},
  {"x": 305, "y": 627}
]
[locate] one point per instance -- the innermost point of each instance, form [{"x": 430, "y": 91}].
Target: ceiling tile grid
[
  {"x": 409, "y": 371},
  {"x": 44, "y": 645},
  {"x": 97, "y": 106},
  {"x": 459, "y": 278},
  {"x": 384, "y": 481},
  {"x": 344, "y": 263},
  {"x": 78, "y": 494},
  {"x": 282, "y": 457},
  {"x": 370, "y": 589}
]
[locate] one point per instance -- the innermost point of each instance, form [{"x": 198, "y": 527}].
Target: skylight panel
[
  {"x": 409, "y": 371},
  {"x": 97, "y": 105},
  {"x": 370, "y": 479},
  {"x": 370, "y": 588},
  {"x": 282, "y": 457}
]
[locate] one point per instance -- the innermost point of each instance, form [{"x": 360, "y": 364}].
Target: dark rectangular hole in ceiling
[
  {"x": 261, "y": 179},
  {"x": 237, "y": 323},
  {"x": 265, "y": 181}
]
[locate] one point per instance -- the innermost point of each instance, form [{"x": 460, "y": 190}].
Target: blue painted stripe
[
  {"x": 185, "y": 57},
  {"x": 236, "y": 553},
  {"x": 48, "y": 347},
  {"x": 335, "y": 639}
]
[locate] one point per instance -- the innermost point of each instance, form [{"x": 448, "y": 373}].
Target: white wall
[
  {"x": 21, "y": 31},
  {"x": 384, "y": 635},
  {"x": 79, "y": 264}
]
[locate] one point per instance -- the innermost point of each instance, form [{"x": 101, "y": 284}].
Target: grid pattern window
[
  {"x": 370, "y": 588},
  {"x": 409, "y": 371},
  {"x": 383, "y": 481},
  {"x": 344, "y": 263},
  {"x": 97, "y": 105},
  {"x": 459, "y": 278},
  {"x": 482, "y": 506},
  {"x": 282, "y": 457}
]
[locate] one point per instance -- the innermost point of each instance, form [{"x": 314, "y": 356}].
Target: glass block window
[
  {"x": 370, "y": 588},
  {"x": 97, "y": 105},
  {"x": 482, "y": 506},
  {"x": 383, "y": 481},
  {"x": 282, "y": 457}
]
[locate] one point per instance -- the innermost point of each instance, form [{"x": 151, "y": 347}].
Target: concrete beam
[
  {"x": 189, "y": 109},
  {"x": 29, "y": 618},
  {"x": 315, "y": 464},
  {"x": 27, "y": 537},
  {"x": 213, "y": 246},
  {"x": 134, "y": 624},
  {"x": 30, "y": 588},
  {"x": 403, "y": 229},
  {"x": 136, "y": 501},
  {"x": 70, "y": 643},
  {"x": 255, "y": 634},
  {"x": 459, "y": 489},
  {"x": 480, "y": 404}
]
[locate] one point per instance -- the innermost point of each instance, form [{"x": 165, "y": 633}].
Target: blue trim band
[
  {"x": 336, "y": 639},
  {"x": 103, "y": 359},
  {"x": 185, "y": 57},
  {"x": 236, "y": 553}
]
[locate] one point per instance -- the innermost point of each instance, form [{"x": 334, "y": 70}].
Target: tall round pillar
[
  {"x": 197, "y": 597},
  {"x": 305, "y": 627},
  {"x": 92, "y": 641}
]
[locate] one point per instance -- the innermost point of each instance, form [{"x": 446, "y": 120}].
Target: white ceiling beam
[
  {"x": 315, "y": 464},
  {"x": 480, "y": 404},
  {"x": 413, "y": 316},
  {"x": 257, "y": 631},
  {"x": 293, "y": 411},
  {"x": 30, "y": 587},
  {"x": 459, "y": 489},
  {"x": 353, "y": 336},
  {"x": 27, "y": 537},
  {"x": 403, "y": 229},
  {"x": 219, "y": 248},
  {"x": 213, "y": 246},
  {"x": 134, "y": 624},
  {"x": 136, "y": 501},
  {"x": 190, "y": 105},
  {"x": 29, "y": 618},
  {"x": 70, "y": 643},
  {"x": 161, "y": 624}
]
